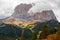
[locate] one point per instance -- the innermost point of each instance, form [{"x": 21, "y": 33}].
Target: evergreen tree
[
  {"x": 21, "y": 38},
  {"x": 58, "y": 29},
  {"x": 58, "y": 32},
  {"x": 34, "y": 36},
  {"x": 44, "y": 32}
]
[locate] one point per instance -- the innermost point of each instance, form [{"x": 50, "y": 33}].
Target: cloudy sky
[{"x": 7, "y": 6}]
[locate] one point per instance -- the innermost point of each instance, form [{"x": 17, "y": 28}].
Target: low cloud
[
  {"x": 47, "y": 5},
  {"x": 7, "y": 6}
]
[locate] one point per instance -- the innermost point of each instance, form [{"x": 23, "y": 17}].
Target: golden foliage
[
  {"x": 22, "y": 24},
  {"x": 53, "y": 37}
]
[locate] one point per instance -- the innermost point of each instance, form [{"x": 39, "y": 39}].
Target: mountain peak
[
  {"x": 45, "y": 15},
  {"x": 21, "y": 10},
  {"x": 21, "y": 14}
]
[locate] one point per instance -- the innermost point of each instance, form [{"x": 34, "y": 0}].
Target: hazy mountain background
[{"x": 7, "y": 7}]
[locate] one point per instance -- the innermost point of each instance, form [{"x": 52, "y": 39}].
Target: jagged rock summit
[
  {"x": 45, "y": 15},
  {"x": 21, "y": 13}
]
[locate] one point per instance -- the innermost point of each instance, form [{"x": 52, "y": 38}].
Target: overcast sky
[{"x": 7, "y": 6}]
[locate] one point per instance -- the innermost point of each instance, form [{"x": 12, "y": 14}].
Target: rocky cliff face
[
  {"x": 21, "y": 13},
  {"x": 44, "y": 16}
]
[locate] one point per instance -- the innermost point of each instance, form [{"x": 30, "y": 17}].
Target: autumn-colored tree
[{"x": 44, "y": 32}]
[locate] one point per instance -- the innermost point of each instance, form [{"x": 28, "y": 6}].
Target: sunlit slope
[
  {"x": 21, "y": 24},
  {"x": 13, "y": 22}
]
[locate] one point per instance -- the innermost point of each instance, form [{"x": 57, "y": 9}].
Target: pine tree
[
  {"x": 58, "y": 32},
  {"x": 44, "y": 32},
  {"x": 21, "y": 38},
  {"x": 34, "y": 36}
]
